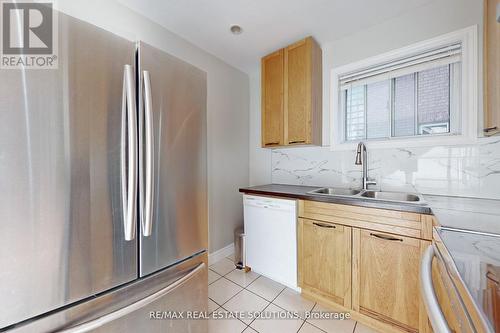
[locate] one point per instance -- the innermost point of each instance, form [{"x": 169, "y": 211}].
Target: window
[
  {"x": 423, "y": 92},
  {"x": 405, "y": 101}
]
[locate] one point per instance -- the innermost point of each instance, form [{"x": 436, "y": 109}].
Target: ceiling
[{"x": 267, "y": 24}]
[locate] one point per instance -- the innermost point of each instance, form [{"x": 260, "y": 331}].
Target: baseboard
[{"x": 220, "y": 254}]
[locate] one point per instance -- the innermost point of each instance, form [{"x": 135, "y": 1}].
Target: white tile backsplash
[{"x": 471, "y": 170}]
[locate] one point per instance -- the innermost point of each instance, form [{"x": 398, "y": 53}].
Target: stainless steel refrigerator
[{"x": 103, "y": 179}]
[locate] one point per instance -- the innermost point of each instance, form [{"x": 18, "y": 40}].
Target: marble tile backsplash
[{"x": 468, "y": 170}]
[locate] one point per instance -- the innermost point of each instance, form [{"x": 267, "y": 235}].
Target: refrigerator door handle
[
  {"x": 100, "y": 321},
  {"x": 147, "y": 182},
  {"x": 128, "y": 159}
]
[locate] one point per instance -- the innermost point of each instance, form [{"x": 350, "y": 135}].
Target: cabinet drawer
[{"x": 395, "y": 222}]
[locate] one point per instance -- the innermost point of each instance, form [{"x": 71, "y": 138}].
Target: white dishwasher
[{"x": 271, "y": 238}]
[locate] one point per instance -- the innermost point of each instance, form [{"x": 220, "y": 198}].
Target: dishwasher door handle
[{"x": 266, "y": 205}]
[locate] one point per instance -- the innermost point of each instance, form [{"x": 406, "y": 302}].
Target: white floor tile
[
  {"x": 332, "y": 325},
  {"x": 212, "y": 276},
  {"x": 212, "y": 306},
  {"x": 272, "y": 324},
  {"x": 241, "y": 277},
  {"x": 266, "y": 288},
  {"x": 308, "y": 328},
  {"x": 360, "y": 328},
  {"x": 222, "y": 325},
  {"x": 293, "y": 301},
  {"x": 231, "y": 257},
  {"x": 222, "y": 290},
  {"x": 246, "y": 302},
  {"x": 223, "y": 266}
]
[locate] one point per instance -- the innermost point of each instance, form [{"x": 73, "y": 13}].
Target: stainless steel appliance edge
[{"x": 181, "y": 287}]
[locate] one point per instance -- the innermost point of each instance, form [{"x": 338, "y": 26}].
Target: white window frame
[{"x": 469, "y": 94}]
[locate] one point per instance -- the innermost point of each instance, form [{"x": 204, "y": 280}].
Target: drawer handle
[
  {"x": 300, "y": 141},
  {"x": 328, "y": 226},
  {"x": 389, "y": 238},
  {"x": 272, "y": 143},
  {"x": 490, "y": 129}
]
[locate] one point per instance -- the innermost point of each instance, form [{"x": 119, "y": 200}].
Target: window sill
[{"x": 448, "y": 140}]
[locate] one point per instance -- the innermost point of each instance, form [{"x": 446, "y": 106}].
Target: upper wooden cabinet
[
  {"x": 272, "y": 99},
  {"x": 491, "y": 68},
  {"x": 292, "y": 95}
]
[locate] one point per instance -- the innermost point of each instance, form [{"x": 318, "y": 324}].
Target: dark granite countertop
[{"x": 301, "y": 192}]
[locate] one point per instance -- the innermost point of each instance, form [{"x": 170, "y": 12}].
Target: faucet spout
[{"x": 361, "y": 159}]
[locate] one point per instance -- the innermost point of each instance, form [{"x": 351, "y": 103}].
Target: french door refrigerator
[{"x": 103, "y": 202}]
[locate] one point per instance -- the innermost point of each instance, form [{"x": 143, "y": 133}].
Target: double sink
[{"x": 399, "y": 197}]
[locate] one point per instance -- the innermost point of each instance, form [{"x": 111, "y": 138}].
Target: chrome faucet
[{"x": 361, "y": 159}]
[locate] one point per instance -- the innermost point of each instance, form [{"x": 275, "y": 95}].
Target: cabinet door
[
  {"x": 385, "y": 277},
  {"x": 325, "y": 260},
  {"x": 491, "y": 68},
  {"x": 298, "y": 92},
  {"x": 272, "y": 99},
  {"x": 303, "y": 95}
]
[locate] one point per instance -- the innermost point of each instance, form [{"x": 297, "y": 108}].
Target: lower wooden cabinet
[
  {"x": 325, "y": 260},
  {"x": 373, "y": 274},
  {"x": 386, "y": 277}
]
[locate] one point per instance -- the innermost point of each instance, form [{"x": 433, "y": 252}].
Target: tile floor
[{"x": 232, "y": 291}]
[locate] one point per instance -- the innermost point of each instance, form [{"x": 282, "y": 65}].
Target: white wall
[
  {"x": 227, "y": 108},
  {"x": 260, "y": 158},
  {"x": 437, "y": 18}
]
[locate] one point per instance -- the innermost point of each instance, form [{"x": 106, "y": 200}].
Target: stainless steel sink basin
[
  {"x": 335, "y": 191},
  {"x": 401, "y": 197},
  {"x": 392, "y": 196}
]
